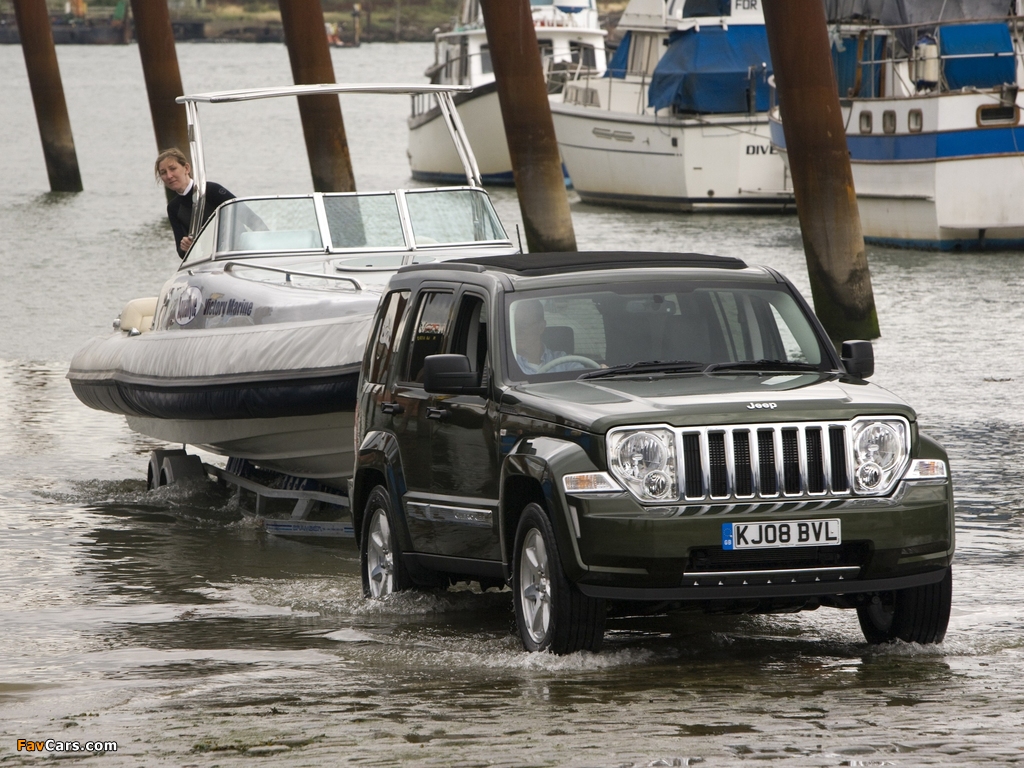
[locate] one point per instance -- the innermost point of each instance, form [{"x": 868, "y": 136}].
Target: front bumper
[{"x": 631, "y": 552}]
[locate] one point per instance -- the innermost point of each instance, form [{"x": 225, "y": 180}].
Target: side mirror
[
  {"x": 451, "y": 375},
  {"x": 858, "y": 358}
]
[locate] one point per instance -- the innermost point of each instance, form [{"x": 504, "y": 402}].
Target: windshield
[
  {"x": 669, "y": 327},
  {"x": 447, "y": 217},
  {"x": 270, "y": 224}
]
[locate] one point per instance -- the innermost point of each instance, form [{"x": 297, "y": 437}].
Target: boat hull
[
  {"x": 315, "y": 446},
  {"x": 655, "y": 162},
  {"x": 432, "y": 157},
  {"x": 953, "y": 185}
]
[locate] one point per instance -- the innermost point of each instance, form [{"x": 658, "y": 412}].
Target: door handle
[
  {"x": 437, "y": 413},
  {"x": 391, "y": 408}
]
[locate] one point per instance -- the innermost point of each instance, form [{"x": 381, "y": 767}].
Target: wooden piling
[
  {"x": 820, "y": 165},
  {"x": 322, "y": 125},
  {"x": 523, "y": 95},
  {"x": 48, "y": 95},
  {"x": 160, "y": 70}
]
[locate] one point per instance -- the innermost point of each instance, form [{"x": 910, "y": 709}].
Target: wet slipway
[{"x": 167, "y": 623}]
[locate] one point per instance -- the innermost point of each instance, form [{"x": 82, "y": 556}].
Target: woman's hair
[{"x": 173, "y": 152}]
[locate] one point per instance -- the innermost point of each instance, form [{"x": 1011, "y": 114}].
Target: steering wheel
[{"x": 587, "y": 362}]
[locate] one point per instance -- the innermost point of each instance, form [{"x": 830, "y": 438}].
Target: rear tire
[
  {"x": 380, "y": 558},
  {"x": 552, "y": 614},
  {"x": 914, "y": 615}
]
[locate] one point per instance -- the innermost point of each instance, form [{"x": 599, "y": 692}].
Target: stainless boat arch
[{"x": 443, "y": 94}]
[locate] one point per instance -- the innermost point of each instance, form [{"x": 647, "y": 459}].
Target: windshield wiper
[
  {"x": 647, "y": 366},
  {"x": 763, "y": 365}
]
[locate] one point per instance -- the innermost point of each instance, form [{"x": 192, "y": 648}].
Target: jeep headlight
[
  {"x": 644, "y": 460},
  {"x": 880, "y": 453}
]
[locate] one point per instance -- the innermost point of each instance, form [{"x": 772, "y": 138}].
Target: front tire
[
  {"x": 914, "y": 615},
  {"x": 551, "y": 612},
  {"x": 380, "y": 558}
]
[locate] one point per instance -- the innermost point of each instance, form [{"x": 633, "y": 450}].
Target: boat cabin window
[
  {"x": 866, "y": 121},
  {"x": 452, "y": 216},
  {"x": 915, "y": 121},
  {"x": 583, "y": 54},
  {"x": 486, "y": 67},
  {"x": 696, "y": 8},
  {"x": 889, "y": 121},
  {"x": 268, "y": 224},
  {"x": 998, "y": 114},
  {"x": 364, "y": 221}
]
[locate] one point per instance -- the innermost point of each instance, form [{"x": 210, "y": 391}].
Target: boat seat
[
  {"x": 278, "y": 240},
  {"x": 138, "y": 313}
]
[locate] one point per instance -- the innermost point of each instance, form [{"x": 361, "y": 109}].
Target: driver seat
[{"x": 560, "y": 338}]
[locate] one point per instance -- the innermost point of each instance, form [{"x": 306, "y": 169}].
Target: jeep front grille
[{"x": 765, "y": 461}]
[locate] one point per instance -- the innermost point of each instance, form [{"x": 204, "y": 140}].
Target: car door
[
  {"x": 414, "y": 413},
  {"x": 463, "y": 499}
]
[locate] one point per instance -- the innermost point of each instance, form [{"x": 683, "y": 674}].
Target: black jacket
[{"x": 179, "y": 210}]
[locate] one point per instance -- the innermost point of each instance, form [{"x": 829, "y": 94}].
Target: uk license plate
[{"x": 788, "y": 533}]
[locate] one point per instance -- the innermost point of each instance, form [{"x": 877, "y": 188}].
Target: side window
[
  {"x": 470, "y": 335},
  {"x": 428, "y": 333},
  {"x": 386, "y": 336}
]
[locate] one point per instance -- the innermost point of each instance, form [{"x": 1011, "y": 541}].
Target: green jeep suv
[{"x": 625, "y": 427}]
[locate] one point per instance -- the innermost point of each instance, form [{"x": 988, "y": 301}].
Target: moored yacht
[
  {"x": 931, "y": 101},
  {"x": 679, "y": 119},
  {"x": 253, "y": 348},
  {"x": 571, "y": 43}
]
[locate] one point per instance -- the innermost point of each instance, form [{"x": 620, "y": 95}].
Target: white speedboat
[
  {"x": 253, "y": 348},
  {"x": 933, "y": 111},
  {"x": 679, "y": 120},
  {"x": 571, "y": 42}
]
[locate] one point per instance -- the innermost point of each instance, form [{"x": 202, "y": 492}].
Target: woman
[{"x": 173, "y": 169}]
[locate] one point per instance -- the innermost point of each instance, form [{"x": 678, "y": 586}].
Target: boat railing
[
  {"x": 904, "y": 59},
  {"x": 442, "y": 93},
  {"x": 290, "y": 273},
  {"x": 459, "y": 71}
]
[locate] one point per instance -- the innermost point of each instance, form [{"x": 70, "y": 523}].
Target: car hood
[{"x": 597, "y": 405}]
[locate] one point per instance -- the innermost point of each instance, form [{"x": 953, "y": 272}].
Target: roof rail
[{"x": 537, "y": 264}]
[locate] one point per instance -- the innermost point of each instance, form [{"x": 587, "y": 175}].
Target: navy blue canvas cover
[
  {"x": 709, "y": 70},
  {"x": 985, "y": 70}
]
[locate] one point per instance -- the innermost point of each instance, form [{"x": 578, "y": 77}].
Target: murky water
[{"x": 163, "y": 621}]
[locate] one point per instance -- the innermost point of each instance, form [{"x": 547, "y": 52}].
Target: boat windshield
[
  {"x": 268, "y": 224},
  {"x": 451, "y": 217},
  {"x": 358, "y": 222},
  {"x": 670, "y": 327}
]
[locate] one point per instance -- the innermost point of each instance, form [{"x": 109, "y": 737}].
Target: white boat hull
[
  {"x": 432, "y": 156},
  {"x": 648, "y": 161},
  {"x": 965, "y": 194},
  {"x": 318, "y": 446}
]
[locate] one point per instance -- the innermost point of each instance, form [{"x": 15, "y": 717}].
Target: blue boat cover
[
  {"x": 983, "y": 70},
  {"x": 620, "y": 59},
  {"x": 709, "y": 70}
]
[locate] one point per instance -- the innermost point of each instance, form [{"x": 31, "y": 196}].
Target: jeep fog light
[
  {"x": 880, "y": 452},
  {"x": 645, "y": 462}
]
